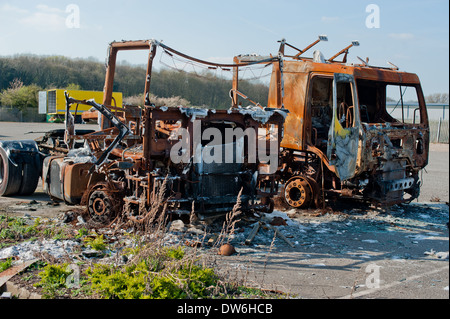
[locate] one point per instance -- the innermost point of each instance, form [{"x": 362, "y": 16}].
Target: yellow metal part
[{"x": 339, "y": 130}]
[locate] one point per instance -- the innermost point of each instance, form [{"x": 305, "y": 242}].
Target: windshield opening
[{"x": 382, "y": 102}]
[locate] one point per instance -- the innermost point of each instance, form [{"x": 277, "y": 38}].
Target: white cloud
[
  {"x": 401, "y": 36},
  {"x": 7, "y": 8},
  {"x": 42, "y": 17},
  {"x": 46, "y": 8},
  {"x": 41, "y": 20}
]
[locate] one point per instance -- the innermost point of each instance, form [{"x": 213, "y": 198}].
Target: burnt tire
[
  {"x": 30, "y": 179},
  {"x": 10, "y": 175}
]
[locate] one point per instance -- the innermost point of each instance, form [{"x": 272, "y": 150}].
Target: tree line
[
  {"x": 25, "y": 75},
  {"x": 22, "y": 76}
]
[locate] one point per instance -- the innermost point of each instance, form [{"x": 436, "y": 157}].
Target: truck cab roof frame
[{"x": 152, "y": 45}]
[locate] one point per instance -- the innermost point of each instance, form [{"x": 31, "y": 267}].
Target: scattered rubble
[
  {"x": 365, "y": 235},
  {"x": 292, "y": 228},
  {"x": 439, "y": 255},
  {"x": 28, "y": 249}
]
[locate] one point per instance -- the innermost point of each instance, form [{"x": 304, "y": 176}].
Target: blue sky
[{"x": 414, "y": 35}]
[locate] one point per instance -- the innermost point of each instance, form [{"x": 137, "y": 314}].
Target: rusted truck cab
[{"x": 339, "y": 136}]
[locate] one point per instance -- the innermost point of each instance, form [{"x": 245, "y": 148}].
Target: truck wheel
[
  {"x": 298, "y": 192},
  {"x": 100, "y": 206},
  {"x": 30, "y": 179},
  {"x": 10, "y": 175}
]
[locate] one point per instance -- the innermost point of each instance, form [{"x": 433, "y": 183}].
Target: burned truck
[
  {"x": 326, "y": 120},
  {"x": 339, "y": 139},
  {"x": 145, "y": 160}
]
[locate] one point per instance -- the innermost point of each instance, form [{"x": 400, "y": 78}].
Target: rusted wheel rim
[
  {"x": 298, "y": 193},
  {"x": 100, "y": 205}
]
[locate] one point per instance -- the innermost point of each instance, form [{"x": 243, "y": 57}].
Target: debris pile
[
  {"x": 309, "y": 230},
  {"x": 58, "y": 249}
]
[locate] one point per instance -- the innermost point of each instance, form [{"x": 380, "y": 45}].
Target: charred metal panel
[
  {"x": 55, "y": 180},
  {"x": 219, "y": 179},
  {"x": 77, "y": 178},
  {"x": 67, "y": 181},
  {"x": 295, "y": 85}
]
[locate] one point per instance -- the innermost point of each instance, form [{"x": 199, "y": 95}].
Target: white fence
[
  {"x": 435, "y": 111},
  {"x": 438, "y": 116},
  {"x": 8, "y": 114}
]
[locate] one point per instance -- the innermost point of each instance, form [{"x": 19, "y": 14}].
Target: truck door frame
[{"x": 343, "y": 149}]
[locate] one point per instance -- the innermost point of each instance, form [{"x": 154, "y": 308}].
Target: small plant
[
  {"x": 5, "y": 264},
  {"x": 53, "y": 280},
  {"x": 175, "y": 253},
  {"x": 15, "y": 228},
  {"x": 127, "y": 283},
  {"x": 164, "y": 273},
  {"x": 82, "y": 232},
  {"x": 199, "y": 280},
  {"x": 97, "y": 244}
]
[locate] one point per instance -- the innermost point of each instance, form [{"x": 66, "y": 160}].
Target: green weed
[
  {"x": 82, "y": 232},
  {"x": 5, "y": 264},
  {"x": 53, "y": 280},
  {"x": 15, "y": 228},
  {"x": 165, "y": 274},
  {"x": 97, "y": 243}
]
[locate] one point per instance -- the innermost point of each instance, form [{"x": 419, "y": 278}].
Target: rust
[
  {"x": 278, "y": 221},
  {"x": 339, "y": 134},
  {"x": 11, "y": 272}
]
